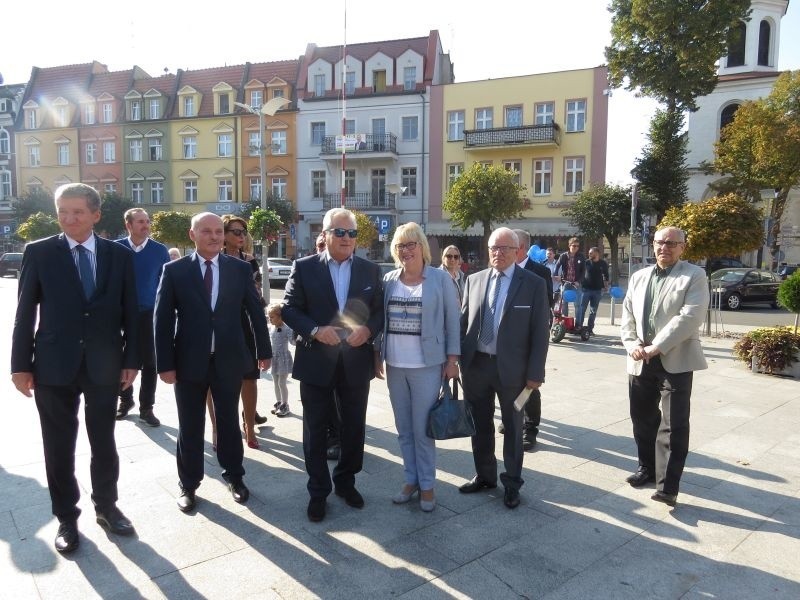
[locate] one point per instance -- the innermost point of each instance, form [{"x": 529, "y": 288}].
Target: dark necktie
[
  {"x": 85, "y": 271},
  {"x": 208, "y": 280},
  {"x": 487, "y": 323}
]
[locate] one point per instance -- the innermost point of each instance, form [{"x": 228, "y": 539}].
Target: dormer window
[
  {"x": 350, "y": 83},
  {"x": 136, "y": 110},
  {"x": 319, "y": 85},
  {"x": 62, "y": 116},
  {"x": 224, "y": 104},
  {"x": 379, "y": 81},
  {"x": 89, "y": 115},
  {"x": 256, "y": 99},
  {"x": 409, "y": 78},
  {"x": 30, "y": 118},
  {"x": 188, "y": 106},
  {"x": 108, "y": 112}
]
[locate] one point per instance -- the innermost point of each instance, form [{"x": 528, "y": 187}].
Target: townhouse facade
[{"x": 10, "y": 103}]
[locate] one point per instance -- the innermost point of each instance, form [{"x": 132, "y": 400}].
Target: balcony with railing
[
  {"x": 371, "y": 144},
  {"x": 360, "y": 201},
  {"x": 502, "y": 137}
]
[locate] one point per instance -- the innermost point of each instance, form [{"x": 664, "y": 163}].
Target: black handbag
[{"x": 450, "y": 417}]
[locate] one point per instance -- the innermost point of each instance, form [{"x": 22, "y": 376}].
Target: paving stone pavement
[{"x": 580, "y": 531}]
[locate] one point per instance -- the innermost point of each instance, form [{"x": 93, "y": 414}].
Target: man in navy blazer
[
  {"x": 200, "y": 346},
  {"x": 83, "y": 290},
  {"x": 504, "y": 333},
  {"x": 334, "y": 300}
]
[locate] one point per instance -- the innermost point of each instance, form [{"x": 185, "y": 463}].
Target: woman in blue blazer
[{"x": 420, "y": 345}]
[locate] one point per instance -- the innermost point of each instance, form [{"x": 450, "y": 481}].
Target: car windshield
[
  {"x": 280, "y": 262},
  {"x": 727, "y": 275}
]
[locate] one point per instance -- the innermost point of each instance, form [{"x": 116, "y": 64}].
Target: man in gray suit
[
  {"x": 504, "y": 332},
  {"x": 661, "y": 316}
]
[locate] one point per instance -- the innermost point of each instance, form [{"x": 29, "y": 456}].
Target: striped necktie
[{"x": 487, "y": 323}]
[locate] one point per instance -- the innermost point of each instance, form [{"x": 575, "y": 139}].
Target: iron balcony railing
[
  {"x": 360, "y": 201},
  {"x": 504, "y": 136},
  {"x": 371, "y": 143}
]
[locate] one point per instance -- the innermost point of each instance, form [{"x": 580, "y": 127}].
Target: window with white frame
[
  {"x": 453, "y": 172},
  {"x": 110, "y": 188},
  {"x": 109, "y": 152},
  {"x": 277, "y": 93},
  {"x": 350, "y": 83},
  {"x": 254, "y": 143},
  {"x": 484, "y": 118},
  {"x": 5, "y": 185},
  {"x": 573, "y": 175},
  {"x": 137, "y": 193},
  {"x": 190, "y": 146},
  {"x": 154, "y": 146},
  {"x": 317, "y": 184},
  {"x": 136, "y": 150},
  {"x": 408, "y": 180},
  {"x": 62, "y": 116},
  {"x": 279, "y": 142},
  {"x": 319, "y": 85},
  {"x": 190, "y": 191},
  {"x": 542, "y": 176},
  {"x": 34, "y": 156},
  {"x": 188, "y": 106},
  {"x": 157, "y": 192},
  {"x": 30, "y": 118},
  {"x": 224, "y": 145},
  {"x": 91, "y": 153},
  {"x": 279, "y": 187},
  {"x": 455, "y": 125},
  {"x": 225, "y": 190},
  {"x": 515, "y": 166},
  {"x": 349, "y": 126},
  {"x": 317, "y": 133},
  {"x": 410, "y": 127},
  {"x": 256, "y": 98},
  {"x": 154, "y": 105},
  {"x": 350, "y": 182},
  {"x": 513, "y": 116},
  {"x": 545, "y": 112},
  {"x": 576, "y": 115},
  {"x": 224, "y": 104},
  {"x": 63, "y": 155},
  {"x": 108, "y": 112},
  {"x": 409, "y": 78},
  {"x": 136, "y": 110},
  {"x": 255, "y": 188},
  {"x": 5, "y": 142},
  {"x": 89, "y": 114}
]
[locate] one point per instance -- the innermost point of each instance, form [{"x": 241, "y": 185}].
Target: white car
[{"x": 279, "y": 269}]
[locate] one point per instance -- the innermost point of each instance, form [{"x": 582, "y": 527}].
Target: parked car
[
  {"x": 738, "y": 286},
  {"x": 725, "y": 262},
  {"x": 786, "y": 270},
  {"x": 386, "y": 267},
  {"x": 278, "y": 270},
  {"x": 10, "y": 263}
]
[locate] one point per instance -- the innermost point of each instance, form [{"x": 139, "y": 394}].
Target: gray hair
[
  {"x": 198, "y": 217},
  {"x": 504, "y": 231},
  {"x": 523, "y": 237},
  {"x": 333, "y": 214},
  {"x": 671, "y": 228},
  {"x": 80, "y": 190}
]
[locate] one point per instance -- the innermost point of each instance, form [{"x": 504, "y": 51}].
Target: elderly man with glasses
[{"x": 334, "y": 300}]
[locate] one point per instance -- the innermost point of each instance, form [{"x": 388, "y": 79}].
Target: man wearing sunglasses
[
  {"x": 661, "y": 317},
  {"x": 334, "y": 299}
]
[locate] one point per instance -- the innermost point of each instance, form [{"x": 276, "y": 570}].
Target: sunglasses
[
  {"x": 453, "y": 256},
  {"x": 340, "y": 232},
  {"x": 236, "y": 232}
]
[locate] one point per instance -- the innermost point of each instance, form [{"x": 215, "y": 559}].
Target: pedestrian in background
[
  {"x": 451, "y": 263},
  {"x": 280, "y": 337},
  {"x": 593, "y": 284},
  {"x": 570, "y": 268}
]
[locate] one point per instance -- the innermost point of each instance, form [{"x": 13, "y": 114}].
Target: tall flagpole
[{"x": 344, "y": 105}]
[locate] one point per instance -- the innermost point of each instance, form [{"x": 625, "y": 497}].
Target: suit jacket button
[{"x": 85, "y": 314}]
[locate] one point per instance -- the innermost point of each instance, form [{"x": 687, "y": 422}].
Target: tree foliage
[
  {"x": 789, "y": 296},
  {"x": 37, "y": 200},
  {"x": 367, "y": 232},
  {"x": 281, "y": 206},
  {"x": 719, "y": 226},
  {"x": 171, "y": 228},
  {"x": 112, "y": 215},
  {"x": 661, "y": 170},
  {"x": 264, "y": 225},
  {"x": 603, "y": 210},
  {"x": 484, "y": 194},
  {"x": 759, "y": 149},
  {"x": 668, "y": 49},
  {"x": 38, "y": 226}
]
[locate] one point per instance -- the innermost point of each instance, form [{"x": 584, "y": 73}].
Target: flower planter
[{"x": 793, "y": 371}]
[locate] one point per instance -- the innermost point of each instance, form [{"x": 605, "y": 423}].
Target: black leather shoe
[
  {"x": 668, "y": 499},
  {"x": 351, "y": 497},
  {"x": 125, "y": 407},
  {"x": 476, "y": 484},
  {"x": 186, "y": 501},
  {"x": 260, "y": 420},
  {"x": 528, "y": 440},
  {"x": 642, "y": 476},
  {"x": 316, "y": 509},
  {"x": 333, "y": 452},
  {"x": 67, "y": 538},
  {"x": 147, "y": 416},
  {"x": 111, "y": 519},
  {"x": 239, "y": 491},
  {"x": 511, "y": 498}
]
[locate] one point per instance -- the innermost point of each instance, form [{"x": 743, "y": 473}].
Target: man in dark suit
[
  {"x": 334, "y": 300},
  {"x": 504, "y": 327},
  {"x": 83, "y": 290},
  {"x": 200, "y": 346}
]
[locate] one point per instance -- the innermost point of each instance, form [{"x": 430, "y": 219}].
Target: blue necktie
[
  {"x": 487, "y": 323},
  {"x": 85, "y": 270}
]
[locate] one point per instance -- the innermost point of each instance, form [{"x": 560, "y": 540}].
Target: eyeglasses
[
  {"x": 452, "y": 256},
  {"x": 501, "y": 249},
  {"x": 236, "y": 232},
  {"x": 406, "y": 246},
  {"x": 340, "y": 232},
  {"x": 667, "y": 243}
]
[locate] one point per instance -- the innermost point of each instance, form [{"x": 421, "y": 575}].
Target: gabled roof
[
  {"x": 391, "y": 48},
  {"x": 267, "y": 71},
  {"x": 69, "y": 81},
  {"x": 204, "y": 80}
]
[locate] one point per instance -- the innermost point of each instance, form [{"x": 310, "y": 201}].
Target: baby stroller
[{"x": 563, "y": 325}]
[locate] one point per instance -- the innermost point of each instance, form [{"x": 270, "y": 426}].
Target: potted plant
[{"x": 773, "y": 350}]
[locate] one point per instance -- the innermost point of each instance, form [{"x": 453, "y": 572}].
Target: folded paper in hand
[{"x": 520, "y": 401}]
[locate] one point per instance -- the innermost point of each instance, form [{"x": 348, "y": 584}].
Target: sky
[{"x": 517, "y": 37}]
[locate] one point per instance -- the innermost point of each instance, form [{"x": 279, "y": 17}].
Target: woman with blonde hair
[
  {"x": 451, "y": 263},
  {"x": 421, "y": 345}
]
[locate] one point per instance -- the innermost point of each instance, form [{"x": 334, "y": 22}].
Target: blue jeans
[
  {"x": 590, "y": 298},
  {"x": 412, "y": 393}
]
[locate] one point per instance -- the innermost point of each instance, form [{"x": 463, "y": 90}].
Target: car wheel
[
  {"x": 558, "y": 332},
  {"x": 733, "y": 302}
]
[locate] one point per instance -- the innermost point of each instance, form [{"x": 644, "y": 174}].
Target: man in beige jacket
[{"x": 661, "y": 316}]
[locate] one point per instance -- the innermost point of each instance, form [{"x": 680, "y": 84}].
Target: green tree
[
  {"x": 171, "y": 228},
  {"x": 719, "y": 226},
  {"x": 37, "y": 200},
  {"x": 759, "y": 149},
  {"x": 112, "y": 215},
  {"x": 487, "y": 195},
  {"x": 603, "y": 210},
  {"x": 38, "y": 226},
  {"x": 367, "y": 232},
  {"x": 789, "y": 296}
]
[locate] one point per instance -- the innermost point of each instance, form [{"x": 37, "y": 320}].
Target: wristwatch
[{"x": 314, "y": 331}]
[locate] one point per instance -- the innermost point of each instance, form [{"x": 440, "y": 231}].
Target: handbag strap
[{"x": 456, "y": 381}]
